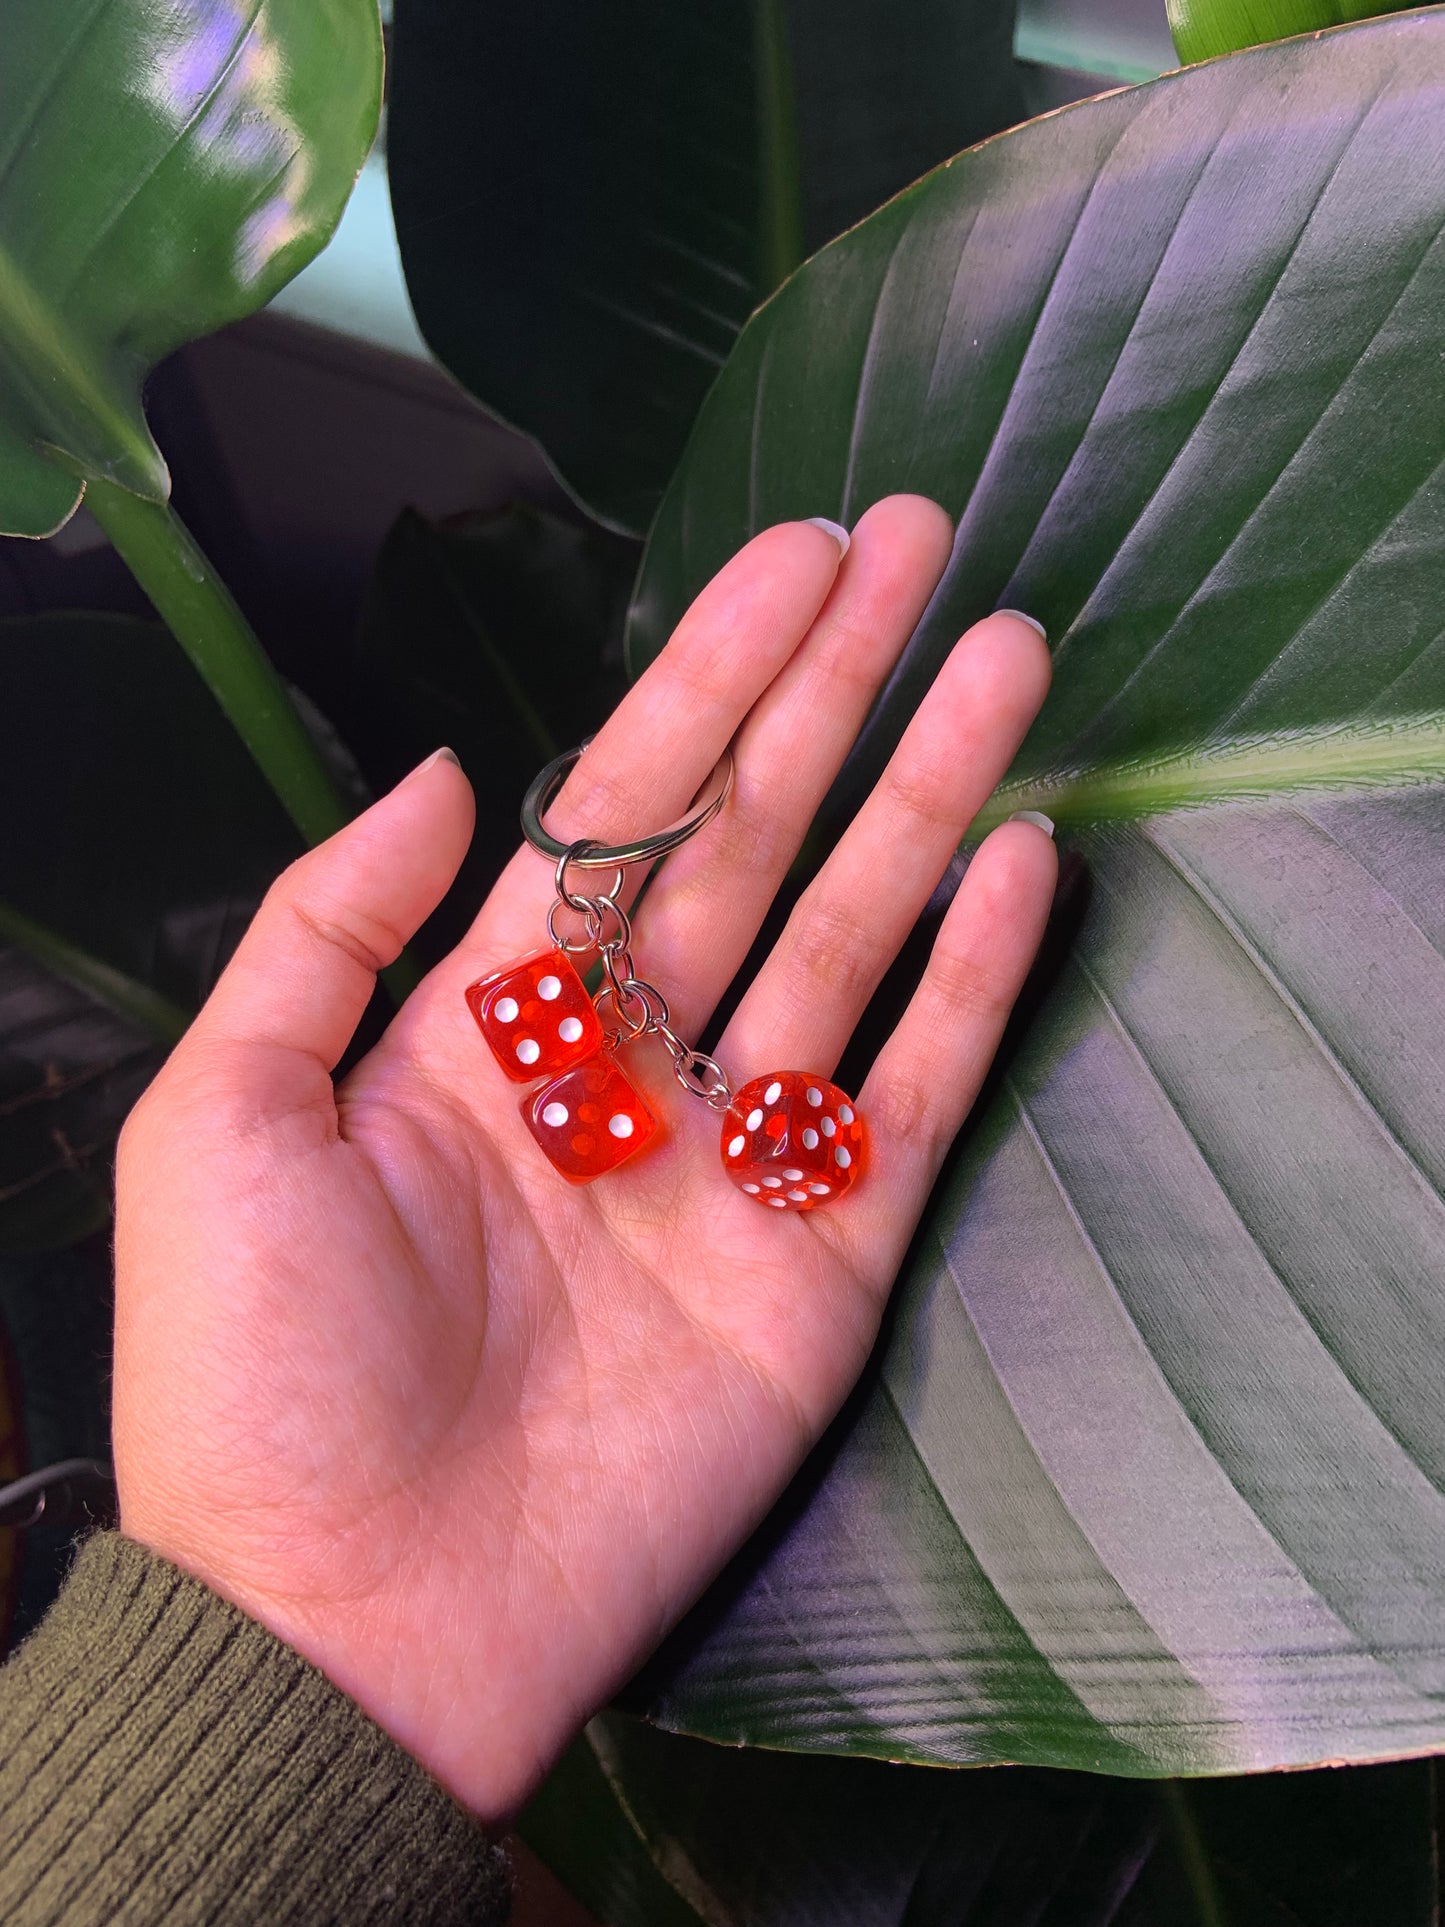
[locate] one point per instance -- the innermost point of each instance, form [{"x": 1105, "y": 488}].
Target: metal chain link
[{"x": 639, "y": 1007}]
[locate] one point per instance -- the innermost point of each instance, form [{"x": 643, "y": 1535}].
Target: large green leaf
[
  {"x": 590, "y": 200},
  {"x": 1203, "y": 28},
  {"x": 501, "y": 635},
  {"x": 1152, "y": 1475},
  {"x": 165, "y": 166},
  {"x": 139, "y": 838},
  {"x": 653, "y": 1830}
]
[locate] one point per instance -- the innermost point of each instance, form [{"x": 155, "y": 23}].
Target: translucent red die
[
  {"x": 589, "y": 1119},
  {"x": 793, "y": 1141},
  {"x": 536, "y": 1016}
]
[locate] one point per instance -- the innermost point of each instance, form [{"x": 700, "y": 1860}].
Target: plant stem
[
  {"x": 780, "y": 189},
  {"x": 198, "y": 610},
  {"x": 1193, "y": 1855}
]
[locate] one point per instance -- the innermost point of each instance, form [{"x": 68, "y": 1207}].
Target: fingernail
[
  {"x": 839, "y": 534},
  {"x": 437, "y": 756},
  {"x": 1032, "y": 621},
  {"x": 1036, "y": 817}
]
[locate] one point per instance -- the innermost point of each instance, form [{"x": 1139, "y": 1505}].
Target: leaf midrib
[
  {"x": 1392, "y": 754},
  {"x": 39, "y": 349}
]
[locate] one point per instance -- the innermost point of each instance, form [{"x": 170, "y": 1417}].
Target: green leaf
[
  {"x": 1153, "y": 1475},
  {"x": 71, "y": 1066},
  {"x": 165, "y": 167},
  {"x": 579, "y": 1828},
  {"x": 1203, "y": 28},
  {"x": 501, "y": 635},
  {"x": 649, "y": 1829},
  {"x": 590, "y": 201},
  {"x": 139, "y": 838}
]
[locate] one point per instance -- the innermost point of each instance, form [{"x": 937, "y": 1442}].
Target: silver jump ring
[
  {"x": 577, "y": 853},
  {"x": 628, "y": 989},
  {"x": 697, "y": 1073},
  {"x": 574, "y": 946},
  {"x": 600, "y": 856},
  {"x": 597, "y": 910},
  {"x": 620, "y": 996}
]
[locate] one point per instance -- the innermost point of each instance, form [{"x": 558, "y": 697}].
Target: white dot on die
[
  {"x": 814, "y": 1096},
  {"x": 753, "y": 1120},
  {"x": 819, "y": 1190},
  {"x": 737, "y": 1145},
  {"x": 798, "y": 1197},
  {"x": 845, "y": 1113},
  {"x": 528, "y": 1049},
  {"x": 570, "y": 1029},
  {"x": 844, "y": 1157},
  {"x": 505, "y": 1010},
  {"x": 621, "y": 1125},
  {"x": 792, "y": 1176},
  {"x": 753, "y": 1189},
  {"x": 773, "y": 1184},
  {"x": 772, "y": 1093},
  {"x": 810, "y": 1139},
  {"x": 830, "y": 1129},
  {"x": 781, "y": 1203},
  {"x": 548, "y": 988},
  {"x": 555, "y": 1115}
]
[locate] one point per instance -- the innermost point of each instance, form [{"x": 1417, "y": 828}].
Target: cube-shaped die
[
  {"x": 536, "y": 1016},
  {"x": 589, "y": 1119},
  {"x": 793, "y": 1141}
]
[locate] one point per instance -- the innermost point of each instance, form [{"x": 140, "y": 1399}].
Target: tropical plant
[{"x": 1148, "y": 1476}]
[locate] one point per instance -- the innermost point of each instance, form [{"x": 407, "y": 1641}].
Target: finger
[
  {"x": 928, "y": 1074},
  {"x": 654, "y": 753},
  {"x": 848, "y": 926},
  {"x": 704, "y": 909},
  {"x": 304, "y": 972}
]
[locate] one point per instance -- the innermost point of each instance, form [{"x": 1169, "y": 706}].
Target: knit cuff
[{"x": 165, "y": 1758}]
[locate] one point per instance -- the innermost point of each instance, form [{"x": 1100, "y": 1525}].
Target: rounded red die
[
  {"x": 589, "y": 1119},
  {"x": 792, "y": 1140},
  {"x": 536, "y": 1016}
]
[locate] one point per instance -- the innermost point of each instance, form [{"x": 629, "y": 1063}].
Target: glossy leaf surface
[
  {"x": 590, "y": 201},
  {"x": 654, "y": 1830},
  {"x": 139, "y": 835},
  {"x": 1153, "y": 1475},
  {"x": 165, "y": 167},
  {"x": 1201, "y": 29}
]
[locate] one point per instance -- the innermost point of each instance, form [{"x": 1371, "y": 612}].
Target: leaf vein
[
  {"x": 1187, "y": 444},
  {"x": 128, "y": 201}
]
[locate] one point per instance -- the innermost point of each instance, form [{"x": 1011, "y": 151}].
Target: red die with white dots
[
  {"x": 793, "y": 1141},
  {"x": 536, "y": 1016},
  {"x": 589, "y": 1119}
]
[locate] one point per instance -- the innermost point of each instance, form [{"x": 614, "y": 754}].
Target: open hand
[{"x": 469, "y": 1438}]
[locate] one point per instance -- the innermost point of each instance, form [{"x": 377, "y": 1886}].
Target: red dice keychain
[{"x": 790, "y": 1139}]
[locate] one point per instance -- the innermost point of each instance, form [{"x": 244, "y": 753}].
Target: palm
[{"x": 471, "y": 1437}]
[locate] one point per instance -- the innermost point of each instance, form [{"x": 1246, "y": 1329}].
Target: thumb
[{"x": 304, "y": 972}]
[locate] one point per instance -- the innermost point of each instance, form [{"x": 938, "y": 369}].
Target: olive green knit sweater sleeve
[{"x": 164, "y": 1759}]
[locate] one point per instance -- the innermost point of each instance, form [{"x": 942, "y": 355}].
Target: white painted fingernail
[
  {"x": 1032, "y": 621},
  {"x": 839, "y": 534},
  {"x": 1036, "y": 817}
]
